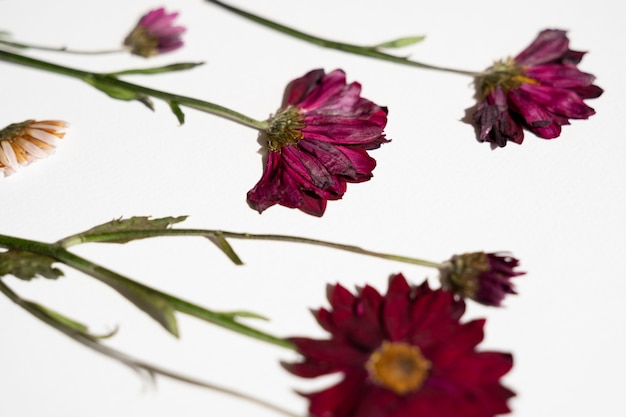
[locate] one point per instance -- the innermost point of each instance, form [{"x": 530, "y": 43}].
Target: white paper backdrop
[{"x": 557, "y": 205}]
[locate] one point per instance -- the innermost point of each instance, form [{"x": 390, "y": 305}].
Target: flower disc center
[
  {"x": 398, "y": 366},
  {"x": 285, "y": 128}
]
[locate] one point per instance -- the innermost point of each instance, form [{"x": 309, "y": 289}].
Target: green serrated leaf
[
  {"x": 400, "y": 43},
  {"x": 225, "y": 247},
  {"x": 133, "y": 223},
  {"x": 181, "y": 66},
  {"x": 27, "y": 265},
  {"x": 177, "y": 112}
]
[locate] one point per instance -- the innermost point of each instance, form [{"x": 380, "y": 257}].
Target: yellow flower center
[
  {"x": 398, "y": 366},
  {"x": 505, "y": 74},
  {"x": 285, "y": 128}
]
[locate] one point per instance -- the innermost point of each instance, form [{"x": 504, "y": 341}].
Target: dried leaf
[
  {"x": 27, "y": 265},
  {"x": 225, "y": 247},
  {"x": 133, "y": 223}
]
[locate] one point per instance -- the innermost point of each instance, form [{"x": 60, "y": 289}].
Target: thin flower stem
[
  {"x": 113, "y": 82},
  {"x": 60, "y": 49},
  {"x": 121, "y": 284},
  {"x": 137, "y": 234},
  {"x": 345, "y": 47},
  {"x": 131, "y": 361}
]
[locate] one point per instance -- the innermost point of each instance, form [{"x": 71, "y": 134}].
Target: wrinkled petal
[
  {"x": 558, "y": 101},
  {"x": 298, "y": 89},
  {"x": 560, "y": 76},
  {"x": 549, "y": 46},
  {"x": 339, "y": 400}
]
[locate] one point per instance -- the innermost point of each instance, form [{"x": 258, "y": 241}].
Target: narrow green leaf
[
  {"x": 66, "y": 322},
  {"x": 400, "y": 43},
  {"x": 243, "y": 314},
  {"x": 117, "y": 92},
  {"x": 132, "y": 223},
  {"x": 152, "y": 304},
  {"x": 177, "y": 112},
  {"x": 225, "y": 247},
  {"x": 181, "y": 66},
  {"x": 27, "y": 265}
]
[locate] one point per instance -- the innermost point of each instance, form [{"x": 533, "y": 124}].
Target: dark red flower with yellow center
[
  {"x": 317, "y": 142},
  {"x": 539, "y": 90},
  {"x": 402, "y": 354}
]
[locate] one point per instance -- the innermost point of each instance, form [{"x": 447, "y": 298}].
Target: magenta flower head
[
  {"x": 483, "y": 277},
  {"x": 317, "y": 142},
  {"x": 404, "y": 353},
  {"x": 539, "y": 90},
  {"x": 155, "y": 34}
]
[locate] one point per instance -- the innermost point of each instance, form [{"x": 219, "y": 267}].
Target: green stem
[
  {"x": 138, "y": 234},
  {"x": 111, "y": 81},
  {"x": 345, "y": 47},
  {"x": 61, "y": 49},
  {"x": 131, "y": 361},
  {"x": 119, "y": 283}
]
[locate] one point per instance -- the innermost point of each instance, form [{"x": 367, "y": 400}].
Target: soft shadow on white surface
[{"x": 557, "y": 205}]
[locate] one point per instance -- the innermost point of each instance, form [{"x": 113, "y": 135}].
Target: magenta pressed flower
[
  {"x": 483, "y": 277},
  {"x": 402, "y": 354},
  {"x": 317, "y": 142},
  {"x": 539, "y": 90},
  {"x": 155, "y": 34}
]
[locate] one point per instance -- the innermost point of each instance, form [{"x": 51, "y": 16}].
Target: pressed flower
[
  {"x": 402, "y": 354},
  {"x": 317, "y": 142},
  {"x": 22, "y": 143},
  {"x": 483, "y": 277},
  {"x": 155, "y": 34},
  {"x": 539, "y": 90}
]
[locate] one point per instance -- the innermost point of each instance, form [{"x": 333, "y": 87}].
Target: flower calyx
[
  {"x": 505, "y": 74},
  {"x": 285, "y": 128}
]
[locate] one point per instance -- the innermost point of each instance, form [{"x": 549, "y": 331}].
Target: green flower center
[
  {"x": 285, "y": 128},
  {"x": 505, "y": 74},
  {"x": 398, "y": 366}
]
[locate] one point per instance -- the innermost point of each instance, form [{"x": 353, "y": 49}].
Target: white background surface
[{"x": 557, "y": 205}]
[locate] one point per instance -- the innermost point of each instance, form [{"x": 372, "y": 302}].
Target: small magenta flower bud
[
  {"x": 483, "y": 277},
  {"x": 155, "y": 34}
]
